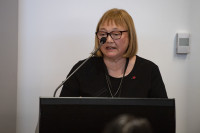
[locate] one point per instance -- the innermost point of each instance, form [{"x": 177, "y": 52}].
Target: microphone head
[{"x": 103, "y": 40}]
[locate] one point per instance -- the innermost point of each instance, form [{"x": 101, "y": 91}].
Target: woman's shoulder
[
  {"x": 145, "y": 66},
  {"x": 92, "y": 60},
  {"x": 89, "y": 62},
  {"x": 145, "y": 63}
]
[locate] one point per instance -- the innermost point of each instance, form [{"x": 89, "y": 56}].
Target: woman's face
[{"x": 114, "y": 49}]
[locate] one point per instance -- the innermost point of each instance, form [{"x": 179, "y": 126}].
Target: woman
[{"x": 116, "y": 70}]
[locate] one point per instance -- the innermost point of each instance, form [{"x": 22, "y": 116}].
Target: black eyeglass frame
[{"x": 110, "y": 34}]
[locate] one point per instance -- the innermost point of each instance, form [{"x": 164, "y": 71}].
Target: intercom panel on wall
[{"x": 183, "y": 43}]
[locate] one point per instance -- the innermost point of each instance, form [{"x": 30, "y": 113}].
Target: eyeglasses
[{"x": 114, "y": 34}]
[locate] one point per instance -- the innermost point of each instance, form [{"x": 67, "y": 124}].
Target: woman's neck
[{"x": 115, "y": 67}]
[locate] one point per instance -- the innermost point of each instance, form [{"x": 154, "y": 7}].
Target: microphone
[{"x": 102, "y": 41}]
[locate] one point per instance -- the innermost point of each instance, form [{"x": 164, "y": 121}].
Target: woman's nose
[{"x": 109, "y": 39}]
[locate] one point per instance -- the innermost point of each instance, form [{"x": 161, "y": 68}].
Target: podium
[{"x": 90, "y": 115}]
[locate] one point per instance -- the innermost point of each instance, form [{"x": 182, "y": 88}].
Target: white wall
[
  {"x": 193, "y": 72},
  {"x": 53, "y": 35}
]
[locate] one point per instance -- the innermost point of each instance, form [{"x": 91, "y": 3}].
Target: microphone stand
[{"x": 102, "y": 41}]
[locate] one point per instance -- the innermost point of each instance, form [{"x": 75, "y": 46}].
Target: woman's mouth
[{"x": 110, "y": 48}]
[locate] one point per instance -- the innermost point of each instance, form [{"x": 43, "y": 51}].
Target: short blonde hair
[{"x": 122, "y": 18}]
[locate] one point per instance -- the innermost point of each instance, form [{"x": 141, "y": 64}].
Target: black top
[{"x": 144, "y": 81}]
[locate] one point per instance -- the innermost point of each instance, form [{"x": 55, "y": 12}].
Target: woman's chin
[{"x": 111, "y": 56}]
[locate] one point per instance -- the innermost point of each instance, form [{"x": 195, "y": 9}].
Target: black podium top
[{"x": 90, "y": 115}]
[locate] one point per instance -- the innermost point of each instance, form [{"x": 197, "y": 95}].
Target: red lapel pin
[{"x": 133, "y": 77}]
